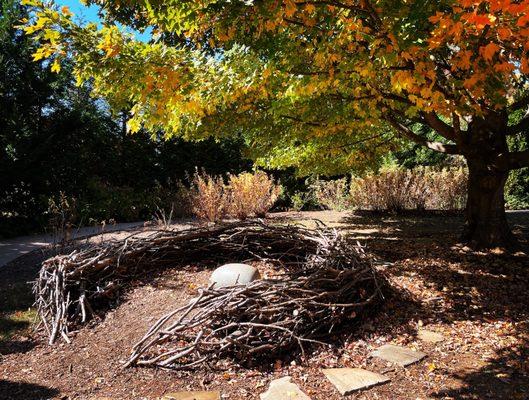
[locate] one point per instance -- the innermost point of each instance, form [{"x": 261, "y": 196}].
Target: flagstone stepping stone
[
  {"x": 349, "y": 380},
  {"x": 398, "y": 355},
  {"x": 283, "y": 389},
  {"x": 192, "y": 396},
  {"x": 430, "y": 336},
  {"x": 233, "y": 274}
]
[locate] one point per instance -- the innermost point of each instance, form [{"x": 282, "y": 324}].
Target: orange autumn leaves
[{"x": 489, "y": 42}]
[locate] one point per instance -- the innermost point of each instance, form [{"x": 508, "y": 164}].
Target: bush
[
  {"x": 251, "y": 194},
  {"x": 247, "y": 194},
  {"x": 209, "y": 197},
  {"x": 419, "y": 188},
  {"x": 332, "y": 195}
]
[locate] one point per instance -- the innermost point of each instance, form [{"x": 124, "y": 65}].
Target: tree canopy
[
  {"x": 315, "y": 84},
  {"x": 301, "y": 77}
]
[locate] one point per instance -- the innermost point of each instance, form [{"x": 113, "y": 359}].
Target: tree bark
[{"x": 486, "y": 222}]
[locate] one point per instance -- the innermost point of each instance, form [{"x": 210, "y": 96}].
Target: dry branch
[{"x": 324, "y": 280}]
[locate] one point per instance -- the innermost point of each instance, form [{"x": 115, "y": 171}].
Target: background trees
[{"x": 55, "y": 137}]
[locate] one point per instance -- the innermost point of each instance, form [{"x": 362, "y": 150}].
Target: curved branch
[
  {"x": 519, "y": 127},
  {"x": 442, "y": 128},
  {"x": 513, "y": 160},
  {"x": 408, "y": 133},
  {"x": 523, "y": 102}
]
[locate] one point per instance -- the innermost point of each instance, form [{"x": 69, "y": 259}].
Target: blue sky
[{"x": 89, "y": 14}]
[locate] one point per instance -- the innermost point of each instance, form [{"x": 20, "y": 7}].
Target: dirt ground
[{"x": 479, "y": 302}]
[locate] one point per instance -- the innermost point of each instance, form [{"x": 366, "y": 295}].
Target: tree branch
[
  {"x": 408, "y": 133},
  {"x": 519, "y": 127},
  {"x": 523, "y": 102},
  {"x": 513, "y": 160},
  {"x": 442, "y": 128}
]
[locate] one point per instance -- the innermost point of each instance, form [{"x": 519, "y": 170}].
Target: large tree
[{"x": 319, "y": 83}]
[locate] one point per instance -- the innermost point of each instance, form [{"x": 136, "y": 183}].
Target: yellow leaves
[
  {"x": 191, "y": 107},
  {"x": 133, "y": 125},
  {"x": 51, "y": 35},
  {"x": 320, "y": 59},
  {"x": 432, "y": 367},
  {"x": 310, "y": 8},
  {"x": 34, "y": 3},
  {"x": 39, "y": 54},
  {"x": 56, "y": 66},
  {"x": 111, "y": 42},
  {"x": 402, "y": 80},
  {"x": 43, "y": 52},
  {"x": 41, "y": 22},
  {"x": 488, "y": 51}
]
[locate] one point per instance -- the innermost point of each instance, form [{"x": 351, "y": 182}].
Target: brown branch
[
  {"x": 438, "y": 125},
  {"x": 521, "y": 126},
  {"x": 409, "y": 134},
  {"x": 512, "y": 160}
]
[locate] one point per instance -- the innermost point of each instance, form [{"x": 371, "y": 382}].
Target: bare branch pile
[
  {"x": 323, "y": 280},
  {"x": 303, "y": 305}
]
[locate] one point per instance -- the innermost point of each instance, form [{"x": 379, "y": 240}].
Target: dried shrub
[
  {"x": 251, "y": 194},
  {"x": 449, "y": 189},
  {"x": 416, "y": 189},
  {"x": 209, "y": 197},
  {"x": 333, "y": 195}
]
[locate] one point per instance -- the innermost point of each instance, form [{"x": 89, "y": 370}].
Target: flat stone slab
[
  {"x": 398, "y": 355},
  {"x": 430, "y": 336},
  {"x": 349, "y": 380},
  {"x": 192, "y": 396},
  {"x": 283, "y": 389},
  {"x": 233, "y": 274}
]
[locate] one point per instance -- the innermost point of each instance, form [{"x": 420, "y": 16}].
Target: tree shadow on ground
[
  {"x": 16, "y": 300},
  {"x": 502, "y": 377},
  {"x": 479, "y": 287},
  {"x": 21, "y": 390}
]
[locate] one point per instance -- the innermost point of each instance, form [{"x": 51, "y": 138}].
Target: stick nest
[{"x": 323, "y": 280}]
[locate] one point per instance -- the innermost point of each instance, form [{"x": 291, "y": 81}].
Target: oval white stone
[{"x": 234, "y": 274}]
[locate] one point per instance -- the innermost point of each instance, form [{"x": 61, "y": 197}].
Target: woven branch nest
[{"x": 323, "y": 280}]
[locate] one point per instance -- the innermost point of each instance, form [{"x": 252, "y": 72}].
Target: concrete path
[{"x": 11, "y": 249}]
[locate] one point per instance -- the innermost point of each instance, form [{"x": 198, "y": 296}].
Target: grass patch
[{"x": 16, "y": 311}]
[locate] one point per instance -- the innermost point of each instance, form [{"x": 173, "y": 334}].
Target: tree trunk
[{"x": 486, "y": 223}]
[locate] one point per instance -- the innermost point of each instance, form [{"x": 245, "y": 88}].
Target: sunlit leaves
[{"x": 294, "y": 73}]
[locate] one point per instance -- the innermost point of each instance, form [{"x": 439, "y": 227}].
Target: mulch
[{"x": 478, "y": 301}]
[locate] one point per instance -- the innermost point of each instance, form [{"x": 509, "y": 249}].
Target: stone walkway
[
  {"x": 10, "y": 249},
  {"x": 345, "y": 380}
]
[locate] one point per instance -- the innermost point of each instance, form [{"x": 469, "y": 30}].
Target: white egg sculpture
[{"x": 233, "y": 274}]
